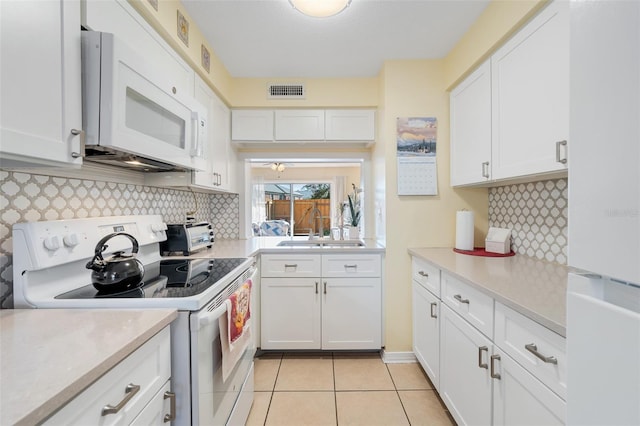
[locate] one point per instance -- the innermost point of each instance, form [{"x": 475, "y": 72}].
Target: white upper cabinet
[
  {"x": 350, "y": 125},
  {"x": 604, "y": 180},
  {"x": 40, "y": 84},
  {"x": 470, "y": 104},
  {"x": 252, "y": 125},
  {"x": 119, "y": 17},
  {"x": 530, "y": 103},
  {"x": 299, "y": 124}
]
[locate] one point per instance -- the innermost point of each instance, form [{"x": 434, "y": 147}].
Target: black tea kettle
[{"x": 119, "y": 272}]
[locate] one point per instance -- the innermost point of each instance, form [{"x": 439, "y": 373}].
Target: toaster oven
[{"x": 187, "y": 238}]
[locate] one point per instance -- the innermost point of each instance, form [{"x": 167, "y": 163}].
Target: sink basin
[{"x": 321, "y": 243}]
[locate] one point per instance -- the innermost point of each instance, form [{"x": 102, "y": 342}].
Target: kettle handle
[{"x": 101, "y": 246}]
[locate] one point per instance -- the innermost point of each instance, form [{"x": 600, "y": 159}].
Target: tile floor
[{"x": 296, "y": 389}]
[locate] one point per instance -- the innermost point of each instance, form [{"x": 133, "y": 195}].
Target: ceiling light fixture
[
  {"x": 279, "y": 167},
  {"x": 320, "y": 8}
]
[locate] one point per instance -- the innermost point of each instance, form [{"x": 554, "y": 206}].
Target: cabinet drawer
[
  {"x": 148, "y": 367},
  {"x": 514, "y": 333},
  {"x": 473, "y": 305},
  {"x": 157, "y": 410},
  {"x": 295, "y": 265},
  {"x": 426, "y": 275},
  {"x": 351, "y": 265}
]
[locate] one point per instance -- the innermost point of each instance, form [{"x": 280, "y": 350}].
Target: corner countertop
[
  {"x": 535, "y": 288},
  {"x": 256, "y": 245},
  {"x": 48, "y": 356}
]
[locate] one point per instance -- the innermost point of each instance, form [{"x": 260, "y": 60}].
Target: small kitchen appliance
[
  {"x": 187, "y": 238},
  {"x": 50, "y": 271}
]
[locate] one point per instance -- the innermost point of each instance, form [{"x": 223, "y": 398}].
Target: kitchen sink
[{"x": 321, "y": 243}]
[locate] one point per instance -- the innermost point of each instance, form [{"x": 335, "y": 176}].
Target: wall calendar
[{"x": 416, "y": 153}]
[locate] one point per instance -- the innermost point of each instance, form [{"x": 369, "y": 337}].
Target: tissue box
[{"x": 498, "y": 241}]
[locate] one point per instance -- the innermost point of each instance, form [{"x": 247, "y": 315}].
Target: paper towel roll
[{"x": 464, "y": 230}]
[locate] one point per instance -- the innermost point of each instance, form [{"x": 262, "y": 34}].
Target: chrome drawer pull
[
  {"x": 493, "y": 373},
  {"x": 480, "y": 363},
  {"x": 351, "y": 266},
  {"x": 434, "y": 305},
  {"x": 558, "y": 158},
  {"x": 129, "y": 391},
  {"x": 316, "y": 287},
  {"x": 460, "y": 299},
  {"x": 423, "y": 273},
  {"x": 531, "y": 347},
  {"x": 294, "y": 265},
  {"x": 325, "y": 287},
  {"x": 485, "y": 169}
]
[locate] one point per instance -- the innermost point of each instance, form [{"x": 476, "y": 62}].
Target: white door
[
  {"x": 350, "y": 125},
  {"x": 252, "y": 125},
  {"x": 521, "y": 399},
  {"x": 204, "y": 95},
  {"x": 351, "y": 313},
  {"x": 299, "y": 124},
  {"x": 465, "y": 380},
  {"x": 470, "y": 104},
  {"x": 604, "y": 180},
  {"x": 530, "y": 103},
  {"x": 426, "y": 332},
  {"x": 290, "y": 313},
  {"x": 40, "y": 83},
  {"x": 221, "y": 143}
]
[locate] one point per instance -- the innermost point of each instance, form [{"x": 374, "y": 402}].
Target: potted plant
[{"x": 354, "y": 214}]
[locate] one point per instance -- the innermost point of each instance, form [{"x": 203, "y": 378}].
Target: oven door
[{"x": 213, "y": 399}]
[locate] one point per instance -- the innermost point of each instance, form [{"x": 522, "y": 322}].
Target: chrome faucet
[{"x": 312, "y": 219}]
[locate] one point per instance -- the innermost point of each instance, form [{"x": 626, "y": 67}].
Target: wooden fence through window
[{"x": 302, "y": 211}]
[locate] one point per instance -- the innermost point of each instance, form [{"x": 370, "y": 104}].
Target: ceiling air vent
[{"x": 285, "y": 91}]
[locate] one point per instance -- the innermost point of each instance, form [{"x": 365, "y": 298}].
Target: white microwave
[{"x": 128, "y": 118}]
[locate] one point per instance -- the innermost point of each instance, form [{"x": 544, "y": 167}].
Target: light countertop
[
  {"x": 48, "y": 356},
  {"x": 535, "y": 288},
  {"x": 256, "y": 245}
]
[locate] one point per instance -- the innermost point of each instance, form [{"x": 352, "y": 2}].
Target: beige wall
[
  {"x": 417, "y": 89},
  {"x": 299, "y": 173}
]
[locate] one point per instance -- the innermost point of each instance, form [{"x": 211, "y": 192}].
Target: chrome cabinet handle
[
  {"x": 460, "y": 299},
  {"x": 493, "y": 373},
  {"x": 129, "y": 391},
  {"x": 558, "y": 158},
  {"x": 485, "y": 169},
  {"x": 316, "y": 287},
  {"x": 423, "y": 274},
  {"x": 531, "y": 347},
  {"x": 351, "y": 266},
  {"x": 434, "y": 315},
  {"x": 219, "y": 179},
  {"x": 172, "y": 407},
  {"x": 75, "y": 154},
  {"x": 480, "y": 363},
  {"x": 325, "y": 288},
  {"x": 293, "y": 265}
]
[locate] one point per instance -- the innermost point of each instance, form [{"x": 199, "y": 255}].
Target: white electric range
[{"x": 49, "y": 271}]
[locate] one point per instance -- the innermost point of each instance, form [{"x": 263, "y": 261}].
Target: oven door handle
[{"x": 212, "y": 316}]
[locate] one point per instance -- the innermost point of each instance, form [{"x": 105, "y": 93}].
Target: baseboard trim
[{"x": 398, "y": 357}]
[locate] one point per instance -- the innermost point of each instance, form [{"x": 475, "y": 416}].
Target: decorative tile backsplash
[
  {"x": 537, "y": 214},
  {"x": 28, "y": 197}
]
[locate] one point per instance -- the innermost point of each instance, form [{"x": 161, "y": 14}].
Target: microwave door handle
[{"x": 196, "y": 150}]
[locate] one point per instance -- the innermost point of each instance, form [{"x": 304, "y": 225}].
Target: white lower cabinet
[
  {"x": 136, "y": 391},
  {"x": 465, "y": 378},
  {"x": 299, "y": 311},
  {"x": 517, "y": 377},
  {"x": 426, "y": 332}
]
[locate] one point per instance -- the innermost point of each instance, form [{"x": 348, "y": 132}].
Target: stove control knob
[
  {"x": 158, "y": 227},
  {"x": 70, "y": 240},
  {"x": 52, "y": 243}
]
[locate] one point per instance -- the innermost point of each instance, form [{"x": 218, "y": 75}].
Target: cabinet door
[
  {"x": 119, "y": 17},
  {"x": 530, "y": 103},
  {"x": 465, "y": 380},
  {"x": 350, "y": 125},
  {"x": 426, "y": 332},
  {"x": 40, "y": 83},
  {"x": 290, "y": 313},
  {"x": 521, "y": 399},
  {"x": 252, "y": 125},
  {"x": 351, "y": 313},
  {"x": 299, "y": 124},
  {"x": 604, "y": 200},
  {"x": 470, "y": 104},
  {"x": 204, "y": 95},
  {"x": 221, "y": 155}
]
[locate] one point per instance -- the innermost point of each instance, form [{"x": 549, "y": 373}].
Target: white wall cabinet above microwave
[
  {"x": 523, "y": 95},
  {"x": 256, "y": 126},
  {"x": 41, "y": 119}
]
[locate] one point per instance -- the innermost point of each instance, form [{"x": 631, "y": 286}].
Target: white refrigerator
[{"x": 603, "y": 300}]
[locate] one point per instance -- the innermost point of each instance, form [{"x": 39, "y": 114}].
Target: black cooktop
[{"x": 168, "y": 278}]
